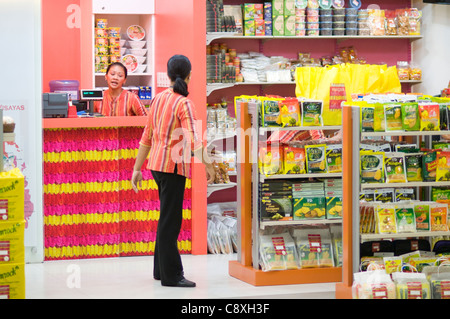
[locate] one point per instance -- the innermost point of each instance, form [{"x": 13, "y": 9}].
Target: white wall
[{"x": 432, "y": 53}]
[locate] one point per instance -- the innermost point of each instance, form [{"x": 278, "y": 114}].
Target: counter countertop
[{"x": 84, "y": 122}]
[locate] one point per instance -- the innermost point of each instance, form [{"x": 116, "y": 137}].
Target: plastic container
[
  {"x": 65, "y": 86},
  {"x": 339, "y": 31},
  {"x": 351, "y": 25},
  {"x": 351, "y": 18},
  {"x": 326, "y": 25},
  {"x": 338, "y": 25},
  {"x": 351, "y": 31},
  {"x": 326, "y": 12},
  {"x": 137, "y": 44},
  {"x": 326, "y": 18},
  {"x": 338, "y": 18},
  {"x": 327, "y": 31},
  {"x": 351, "y": 11}
]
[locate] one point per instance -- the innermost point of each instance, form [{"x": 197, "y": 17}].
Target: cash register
[
  {"x": 55, "y": 104},
  {"x": 90, "y": 96}
]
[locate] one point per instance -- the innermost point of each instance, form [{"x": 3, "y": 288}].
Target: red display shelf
[{"x": 83, "y": 122}]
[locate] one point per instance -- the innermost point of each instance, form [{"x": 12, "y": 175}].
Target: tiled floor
[{"x": 131, "y": 278}]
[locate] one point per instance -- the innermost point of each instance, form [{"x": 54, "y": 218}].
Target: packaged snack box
[
  {"x": 12, "y": 281},
  {"x": 12, "y": 195},
  {"x": 12, "y": 248}
]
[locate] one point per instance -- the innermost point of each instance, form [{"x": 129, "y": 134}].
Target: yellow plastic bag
[{"x": 337, "y": 83}]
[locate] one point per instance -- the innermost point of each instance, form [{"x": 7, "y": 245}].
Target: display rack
[
  {"x": 246, "y": 267},
  {"x": 351, "y": 236}
]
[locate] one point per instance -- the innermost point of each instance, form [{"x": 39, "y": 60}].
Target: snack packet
[
  {"x": 294, "y": 160},
  {"x": 334, "y": 158},
  {"x": 394, "y": 167},
  {"x": 410, "y": 116},
  {"x": 393, "y": 117},
  {"x": 429, "y": 117},
  {"x": 316, "y": 158},
  {"x": 312, "y": 113},
  {"x": 443, "y": 166},
  {"x": 289, "y": 112},
  {"x": 371, "y": 167}
]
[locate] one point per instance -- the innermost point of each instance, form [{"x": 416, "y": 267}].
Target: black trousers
[{"x": 167, "y": 261}]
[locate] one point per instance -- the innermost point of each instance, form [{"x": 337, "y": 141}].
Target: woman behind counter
[{"x": 116, "y": 100}]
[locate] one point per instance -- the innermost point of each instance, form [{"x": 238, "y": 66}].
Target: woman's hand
[
  {"x": 136, "y": 180},
  {"x": 210, "y": 173}
]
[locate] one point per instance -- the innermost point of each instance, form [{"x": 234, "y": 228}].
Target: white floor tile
[{"x": 132, "y": 278}]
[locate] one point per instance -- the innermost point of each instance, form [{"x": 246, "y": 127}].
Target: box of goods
[
  {"x": 12, "y": 281},
  {"x": 333, "y": 207},
  {"x": 12, "y": 247},
  {"x": 289, "y": 7},
  {"x": 314, "y": 247},
  {"x": 309, "y": 207},
  {"x": 12, "y": 195},
  {"x": 289, "y": 25},
  {"x": 440, "y": 286},
  {"x": 278, "y": 25},
  {"x": 404, "y": 194},
  {"x": 384, "y": 195},
  {"x": 235, "y": 11},
  {"x": 411, "y": 285},
  {"x": 276, "y": 205},
  {"x": 277, "y": 7}
]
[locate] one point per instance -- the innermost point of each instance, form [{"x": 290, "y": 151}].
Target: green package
[
  {"x": 410, "y": 116},
  {"x": 367, "y": 118}
]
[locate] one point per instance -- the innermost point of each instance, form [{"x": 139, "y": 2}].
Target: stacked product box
[
  {"x": 278, "y": 17},
  {"x": 254, "y": 24},
  {"x": 12, "y": 231},
  {"x": 308, "y": 200},
  {"x": 268, "y": 18},
  {"x": 214, "y": 15},
  {"x": 107, "y": 45},
  {"x": 289, "y": 17},
  {"x": 333, "y": 196},
  {"x": 275, "y": 198}
]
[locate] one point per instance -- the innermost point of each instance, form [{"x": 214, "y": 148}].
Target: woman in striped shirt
[
  {"x": 169, "y": 140},
  {"x": 116, "y": 100}
]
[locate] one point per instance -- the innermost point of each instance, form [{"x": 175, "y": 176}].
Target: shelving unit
[
  {"x": 351, "y": 189},
  {"x": 246, "y": 268},
  {"x": 122, "y": 14}
]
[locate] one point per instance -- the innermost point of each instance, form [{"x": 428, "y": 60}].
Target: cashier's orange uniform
[
  {"x": 126, "y": 104},
  {"x": 168, "y": 115}
]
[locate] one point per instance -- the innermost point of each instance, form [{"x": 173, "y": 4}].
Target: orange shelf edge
[
  {"x": 257, "y": 277},
  {"x": 343, "y": 291}
]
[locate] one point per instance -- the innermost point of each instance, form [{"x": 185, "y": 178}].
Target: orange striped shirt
[
  {"x": 126, "y": 104},
  {"x": 171, "y": 133}
]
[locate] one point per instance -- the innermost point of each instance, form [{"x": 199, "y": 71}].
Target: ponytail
[{"x": 178, "y": 69}]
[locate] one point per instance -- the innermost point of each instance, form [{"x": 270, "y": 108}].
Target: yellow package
[
  {"x": 429, "y": 117},
  {"x": 443, "y": 166},
  {"x": 270, "y": 159},
  {"x": 12, "y": 195},
  {"x": 379, "y": 124},
  {"x": 12, "y": 247},
  {"x": 371, "y": 167},
  {"x": 294, "y": 160},
  {"x": 438, "y": 216},
  {"x": 12, "y": 281},
  {"x": 290, "y": 112},
  {"x": 392, "y": 264},
  {"x": 386, "y": 222},
  {"x": 316, "y": 158}
]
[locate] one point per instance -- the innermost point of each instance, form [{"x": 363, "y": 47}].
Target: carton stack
[
  {"x": 333, "y": 196},
  {"x": 308, "y": 200},
  {"x": 12, "y": 231},
  {"x": 275, "y": 198}
]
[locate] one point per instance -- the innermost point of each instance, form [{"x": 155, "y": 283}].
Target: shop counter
[{"x": 90, "y": 209}]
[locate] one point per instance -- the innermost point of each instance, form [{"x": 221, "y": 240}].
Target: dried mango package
[
  {"x": 277, "y": 252},
  {"x": 270, "y": 159},
  {"x": 422, "y": 214},
  {"x": 413, "y": 163},
  {"x": 314, "y": 247},
  {"x": 438, "y": 216},
  {"x": 429, "y": 117},
  {"x": 371, "y": 167},
  {"x": 410, "y": 117},
  {"x": 379, "y": 124},
  {"x": 411, "y": 285},
  {"x": 334, "y": 158},
  {"x": 312, "y": 113},
  {"x": 316, "y": 158},
  {"x": 393, "y": 117},
  {"x": 294, "y": 160},
  {"x": 394, "y": 167},
  {"x": 290, "y": 112},
  {"x": 429, "y": 165},
  {"x": 12, "y": 195},
  {"x": 406, "y": 221},
  {"x": 367, "y": 118},
  {"x": 385, "y": 215},
  {"x": 443, "y": 166}
]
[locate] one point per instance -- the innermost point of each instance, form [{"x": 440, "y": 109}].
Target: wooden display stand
[{"x": 244, "y": 268}]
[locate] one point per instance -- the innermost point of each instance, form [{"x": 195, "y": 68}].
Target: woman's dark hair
[
  {"x": 119, "y": 64},
  {"x": 178, "y": 69}
]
